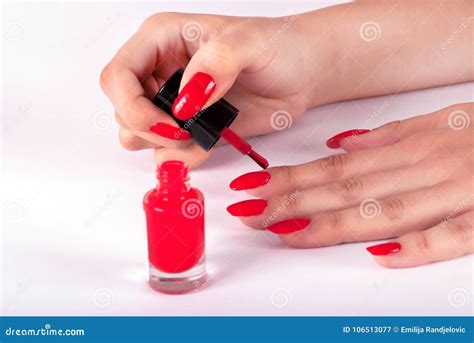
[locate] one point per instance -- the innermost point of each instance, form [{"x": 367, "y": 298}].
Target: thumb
[{"x": 210, "y": 73}]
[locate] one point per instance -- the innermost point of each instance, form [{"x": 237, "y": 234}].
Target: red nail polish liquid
[{"x": 175, "y": 230}]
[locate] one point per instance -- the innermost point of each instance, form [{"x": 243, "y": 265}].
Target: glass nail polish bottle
[{"x": 175, "y": 231}]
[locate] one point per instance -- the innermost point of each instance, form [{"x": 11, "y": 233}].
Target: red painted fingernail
[
  {"x": 335, "y": 141},
  {"x": 250, "y": 180},
  {"x": 289, "y": 226},
  {"x": 384, "y": 249},
  {"x": 247, "y": 208},
  {"x": 171, "y": 132},
  {"x": 193, "y": 96}
]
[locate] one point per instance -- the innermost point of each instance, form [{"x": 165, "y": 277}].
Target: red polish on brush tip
[
  {"x": 384, "y": 248},
  {"x": 243, "y": 147},
  {"x": 175, "y": 231},
  {"x": 335, "y": 141}
]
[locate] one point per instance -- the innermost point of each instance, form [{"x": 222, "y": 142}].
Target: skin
[{"x": 419, "y": 170}]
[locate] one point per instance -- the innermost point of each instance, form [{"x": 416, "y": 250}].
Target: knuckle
[
  {"x": 460, "y": 230},
  {"x": 393, "y": 208},
  {"x": 333, "y": 224},
  {"x": 334, "y": 166},
  {"x": 291, "y": 204},
  {"x": 421, "y": 242},
  {"x": 130, "y": 116},
  {"x": 349, "y": 189},
  {"x": 220, "y": 55},
  {"x": 418, "y": 140},
  {"x": 273, "y": 210},
  {"x": 334, "y": 220},
  {"x": 289, "y": 240},
  {"x": 395, "y": 127},
  {"x": 119, "y": 120},
  {"x": 288, "y": 175},
  {"x": 129, "y": 141},
  {"x": 106, "y": 76},
  {"x": 158, "y": 19}
]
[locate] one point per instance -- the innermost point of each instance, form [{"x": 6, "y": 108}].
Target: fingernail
[
  {"x": 193, "y": 96},
  {"x": 250, "y": 180},
  {"x": 247, "y": 208},
  {"x": 384, "y": 249},
  {"x": 171, "y": 132},
  {"x": 335, "y": 141},
  {"x": 289, "y": 226}
]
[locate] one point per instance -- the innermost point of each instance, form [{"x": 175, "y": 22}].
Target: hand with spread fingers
[{"x": 409, "y": 181}]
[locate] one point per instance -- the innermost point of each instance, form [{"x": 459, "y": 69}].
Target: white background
[{"x": 73, "y": 235}]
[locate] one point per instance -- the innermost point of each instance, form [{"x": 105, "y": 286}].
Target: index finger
[{"x": 121, "y": 79}]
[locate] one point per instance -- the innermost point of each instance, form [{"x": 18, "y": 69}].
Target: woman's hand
[
  {"x": 259, "y": 72},
  {"x": 267, "y": 66},
  {"x": 411, "y": 180}
]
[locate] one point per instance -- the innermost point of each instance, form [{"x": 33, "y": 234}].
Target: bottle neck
[
  {"x": 176, "y": 189},
  {"x": 173, "y": 179}
]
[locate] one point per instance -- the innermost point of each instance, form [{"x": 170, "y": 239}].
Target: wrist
[{"x": 322, "y": 54}]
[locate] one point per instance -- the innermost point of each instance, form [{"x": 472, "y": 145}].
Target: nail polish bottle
[{"x": 175, "y": 231}]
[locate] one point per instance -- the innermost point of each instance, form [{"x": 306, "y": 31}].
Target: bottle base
[{"x": 178, "y": 283}]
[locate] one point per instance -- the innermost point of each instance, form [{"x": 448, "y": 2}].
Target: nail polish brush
[{"x": 209, "y": 124}]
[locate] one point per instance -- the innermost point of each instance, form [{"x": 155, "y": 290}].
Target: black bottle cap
[{"x": 206, "y": 125}]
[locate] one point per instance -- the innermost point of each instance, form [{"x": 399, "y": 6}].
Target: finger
[
  {"x": 151, "y": 85},
  {"x": 398, "y": 130},
  {"x": 162, "y": 134},
  {"x": 380, "y": 219},
  {"x": 287, "y": 179},
  {"x": 122, "y": 78},
  {"x": 448, "y": 240},
  {"x": 132, "y": 142},
  {"x": 345, "y": 193},
  {"x": 193, "y": 155},
  {"x": 213, "y": 70}
]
